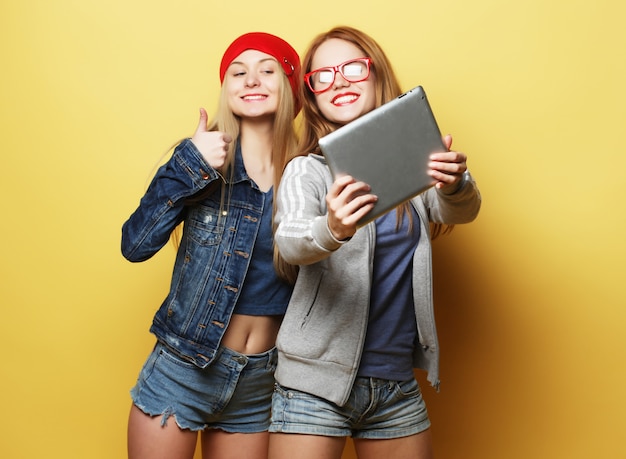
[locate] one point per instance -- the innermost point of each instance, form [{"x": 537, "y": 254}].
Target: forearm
[
  {"x": 161, "y": 209},
  {"x": 461, "y": 206},
  {"x": 302, "y": 234}
]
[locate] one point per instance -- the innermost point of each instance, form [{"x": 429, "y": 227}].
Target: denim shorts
[
  {"x": 233, "y": 393},
  {"x": 376, "y": 409}
]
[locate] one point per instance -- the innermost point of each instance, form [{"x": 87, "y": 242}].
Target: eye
[
  {"x": 269, "y": 67},
  {"x": 237, "y": 70},
  {"x": 325, "y": 76},
  {"x": 353, "y": 69}
]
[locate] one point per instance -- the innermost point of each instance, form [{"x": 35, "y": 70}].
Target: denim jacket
[{"x": 214, "y": 253}]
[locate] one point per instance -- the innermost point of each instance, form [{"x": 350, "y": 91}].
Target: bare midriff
[{"x": 251, "y": 334}]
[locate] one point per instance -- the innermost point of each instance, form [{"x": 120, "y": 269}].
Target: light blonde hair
[
  {"x": 284, "y": 143},
  {"x": 386, "y": 87}
]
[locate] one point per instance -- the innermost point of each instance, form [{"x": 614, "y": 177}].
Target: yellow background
[{"x": 530, "y": 297}]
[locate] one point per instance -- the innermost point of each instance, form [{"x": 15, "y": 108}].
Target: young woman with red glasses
[{"x": 361, "y": 315}]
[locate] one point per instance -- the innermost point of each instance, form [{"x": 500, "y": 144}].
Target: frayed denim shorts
[
  {"x": 233, "y": 393},
  {"x": 376, "y": 409}
]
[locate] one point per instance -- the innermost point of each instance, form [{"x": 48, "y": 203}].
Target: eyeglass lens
[{"x": 352, "y": 71}]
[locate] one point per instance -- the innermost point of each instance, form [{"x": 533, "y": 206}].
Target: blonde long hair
[
  {"x": 386, "y": 87},
  {"x": 284, "y": 143}
]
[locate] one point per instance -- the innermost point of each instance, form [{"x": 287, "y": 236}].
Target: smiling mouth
[
  {"x": 344, "y": 99},
  {"x": 254, "y": 97}
]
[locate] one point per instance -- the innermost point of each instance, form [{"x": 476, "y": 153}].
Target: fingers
[
  {"x": 203, "y": 127},
  {"x": 348, "y": 201},
  {"x": 451, "y": 161},
  {"x": 447, "y": 141},
  {"x": 213, "y": 145},
  {"x": 202, "y": 124},
  {"x": 345, "y": 189},
  {"x": 447, "y": 167},
  {"x": 339, "y": 184},
  {"x": 448, "y": 171}
]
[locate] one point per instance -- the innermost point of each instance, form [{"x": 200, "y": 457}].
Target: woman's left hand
[{"x": 447, "y": 167}]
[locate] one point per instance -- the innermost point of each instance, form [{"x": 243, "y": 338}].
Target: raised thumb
[{"x": 202, "y": 124}]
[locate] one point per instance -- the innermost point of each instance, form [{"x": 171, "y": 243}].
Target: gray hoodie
[{"x": 322, "y": 335}]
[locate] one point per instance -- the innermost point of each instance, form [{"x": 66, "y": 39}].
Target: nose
[
  {"x": 251, "y": 80},
  {"x": 340, "y": 81}
]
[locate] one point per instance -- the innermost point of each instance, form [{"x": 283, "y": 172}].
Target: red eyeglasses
[{"x": 354, "y": 70}]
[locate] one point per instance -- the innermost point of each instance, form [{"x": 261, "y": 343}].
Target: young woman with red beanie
[{"x": 211, "y": 370}]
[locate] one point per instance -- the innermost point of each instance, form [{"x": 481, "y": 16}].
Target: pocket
[
  {"x": 149, "y": 364},
  {"x": 313, "y": 306},
  {"x": 273, "y": 361},
  {"x": 407, "y": 389},
  {"x": 203, "y": 224},
  {"x": 169, "y": 357}
]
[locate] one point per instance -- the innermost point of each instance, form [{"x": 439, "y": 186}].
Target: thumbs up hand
[{"x": 213, "y": 145}]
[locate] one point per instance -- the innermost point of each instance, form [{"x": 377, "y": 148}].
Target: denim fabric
[
  {"x": 233, "y": 394},
  {"x": 376, "y": 409},
  {"x": 214, "y": 253}
]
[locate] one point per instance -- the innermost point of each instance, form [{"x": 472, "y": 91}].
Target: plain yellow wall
[{"x": 530, "y": 297}]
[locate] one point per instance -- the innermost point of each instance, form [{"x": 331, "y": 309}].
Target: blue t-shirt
[
  {"x": 263, "y": 292},
  {"x": 392, "y": 329}
]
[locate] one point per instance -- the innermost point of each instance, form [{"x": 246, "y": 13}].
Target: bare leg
[
  {"x": 418, "y": 446},
  {"x": 297, "y": 446},
  {"x": 148, "y": 439},
  {"x": 217, "y": 444}
]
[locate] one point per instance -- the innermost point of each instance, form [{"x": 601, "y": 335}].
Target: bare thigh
[
  {"x": 298, "y": 446},
  {"x": 217, "y": 444},
  {"x": 418, "y": 446},
  {"x": 148, "y": 439}
]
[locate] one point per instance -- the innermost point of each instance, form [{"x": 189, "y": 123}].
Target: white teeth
[
  {"x": 344, "y": 99},
  {"x": 254, "y": 97}
]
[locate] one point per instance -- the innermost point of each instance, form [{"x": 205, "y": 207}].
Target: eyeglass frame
[{"x": 336, "y": 69}]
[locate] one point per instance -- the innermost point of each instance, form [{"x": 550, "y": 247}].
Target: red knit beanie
[{"x": 275, "y": 46}]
